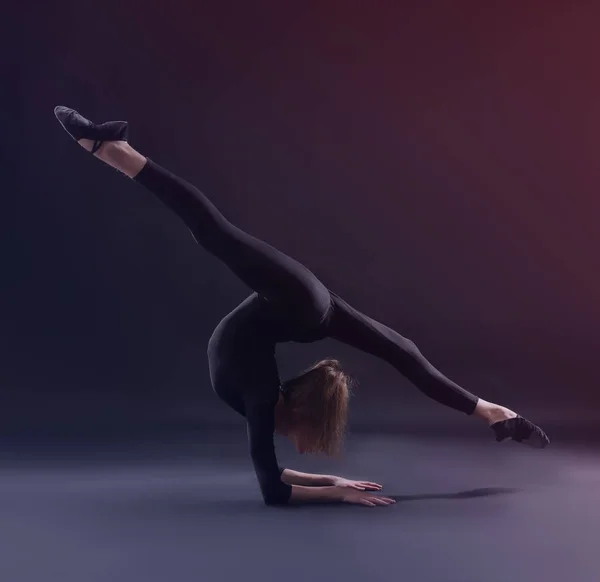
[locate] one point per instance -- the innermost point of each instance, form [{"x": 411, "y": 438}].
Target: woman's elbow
[{"x": 276, "y": 497}]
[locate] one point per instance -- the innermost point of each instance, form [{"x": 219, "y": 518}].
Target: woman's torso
[{"x": 241, "y": 350}]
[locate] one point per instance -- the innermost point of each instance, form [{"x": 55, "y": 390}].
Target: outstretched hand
[
  {"x": 356, "y": 492},
  {"x": 359, "y": 485},
  {"x": 348, "y": 495}
]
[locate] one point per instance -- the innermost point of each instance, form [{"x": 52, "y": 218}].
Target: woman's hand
[
  {"x": 359, "y": 485},
  {"x": 350, "y": 495}
]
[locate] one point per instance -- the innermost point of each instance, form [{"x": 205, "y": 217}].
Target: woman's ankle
[
  {"x": 492, "y": 413},
  {"x": 107, "y": 150},
  {"x": 121, "y": 156}
]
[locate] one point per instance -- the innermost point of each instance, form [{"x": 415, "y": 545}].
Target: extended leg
[
  {"x": 269, "y": 272},
  {"x": 354, "y": 328}
]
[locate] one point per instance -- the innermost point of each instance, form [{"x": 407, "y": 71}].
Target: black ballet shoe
[
  {"x": 521, "y": 430},
  {"x": 78, "y": 127}
]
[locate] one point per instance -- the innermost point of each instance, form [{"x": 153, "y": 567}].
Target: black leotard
[{"x": 289, "y": 304}]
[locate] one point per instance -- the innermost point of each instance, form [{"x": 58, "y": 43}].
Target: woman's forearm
[
  {"x": 306, "y": 479},
  {"x": 327, "y": 494}
]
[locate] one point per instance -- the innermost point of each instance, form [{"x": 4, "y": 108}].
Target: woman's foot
[
  {"x": 507, "y": 424},
  {"x": 521, "y": 430},
  {"x": 493, "y": 413},
  {"x": 107, "y": 141},
  {"x": 79, "y": 128}
]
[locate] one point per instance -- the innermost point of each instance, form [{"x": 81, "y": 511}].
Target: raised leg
[{"x": 279, "y": 278}]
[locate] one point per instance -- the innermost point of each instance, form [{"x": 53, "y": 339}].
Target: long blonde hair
[{"x": 317, "y": 401}]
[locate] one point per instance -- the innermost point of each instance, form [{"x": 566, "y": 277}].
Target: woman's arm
[
  {"x": 306, "y": 479},
  {"x": 310, "y": 480},
  {"x": 261, "y": 427},
  {"x": 275, "y": 490},
  {"x": 327, "y": 494},
  {"x": 336, "y": 494}
]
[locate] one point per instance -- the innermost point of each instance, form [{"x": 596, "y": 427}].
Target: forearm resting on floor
[
  {"x": 307, "y": 479},
  {"x": 327, "y": 494}
]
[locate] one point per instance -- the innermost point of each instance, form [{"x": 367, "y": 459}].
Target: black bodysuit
[{"x": 289, "y": 304}]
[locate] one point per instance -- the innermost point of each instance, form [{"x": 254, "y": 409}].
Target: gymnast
[{"x": 288, "y": 304}]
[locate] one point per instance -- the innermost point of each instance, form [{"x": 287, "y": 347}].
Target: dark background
[{"x": 435, "y": 163}]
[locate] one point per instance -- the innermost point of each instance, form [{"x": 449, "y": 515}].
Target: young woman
[{"x": 288, "y": 304}]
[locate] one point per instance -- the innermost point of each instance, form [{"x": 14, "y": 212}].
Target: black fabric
[
  {"x": 521, "y": 430},
  {"x": 78, "y": 127},
  {"x": 288, "y": 304}
]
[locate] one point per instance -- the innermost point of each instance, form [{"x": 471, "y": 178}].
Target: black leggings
[
  {"x": 287, "y": 283},
  {"x": 269, "y": 272}
]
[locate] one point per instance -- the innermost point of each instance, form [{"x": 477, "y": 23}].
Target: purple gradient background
[{"x": 433, "y": 162}]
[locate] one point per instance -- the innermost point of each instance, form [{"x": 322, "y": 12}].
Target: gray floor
[{"x": 467, "y": 511}]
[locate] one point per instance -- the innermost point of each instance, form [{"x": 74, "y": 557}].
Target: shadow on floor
[
  {"x": 470, "y": 494},
  {"x": 186, "y": 506}
]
